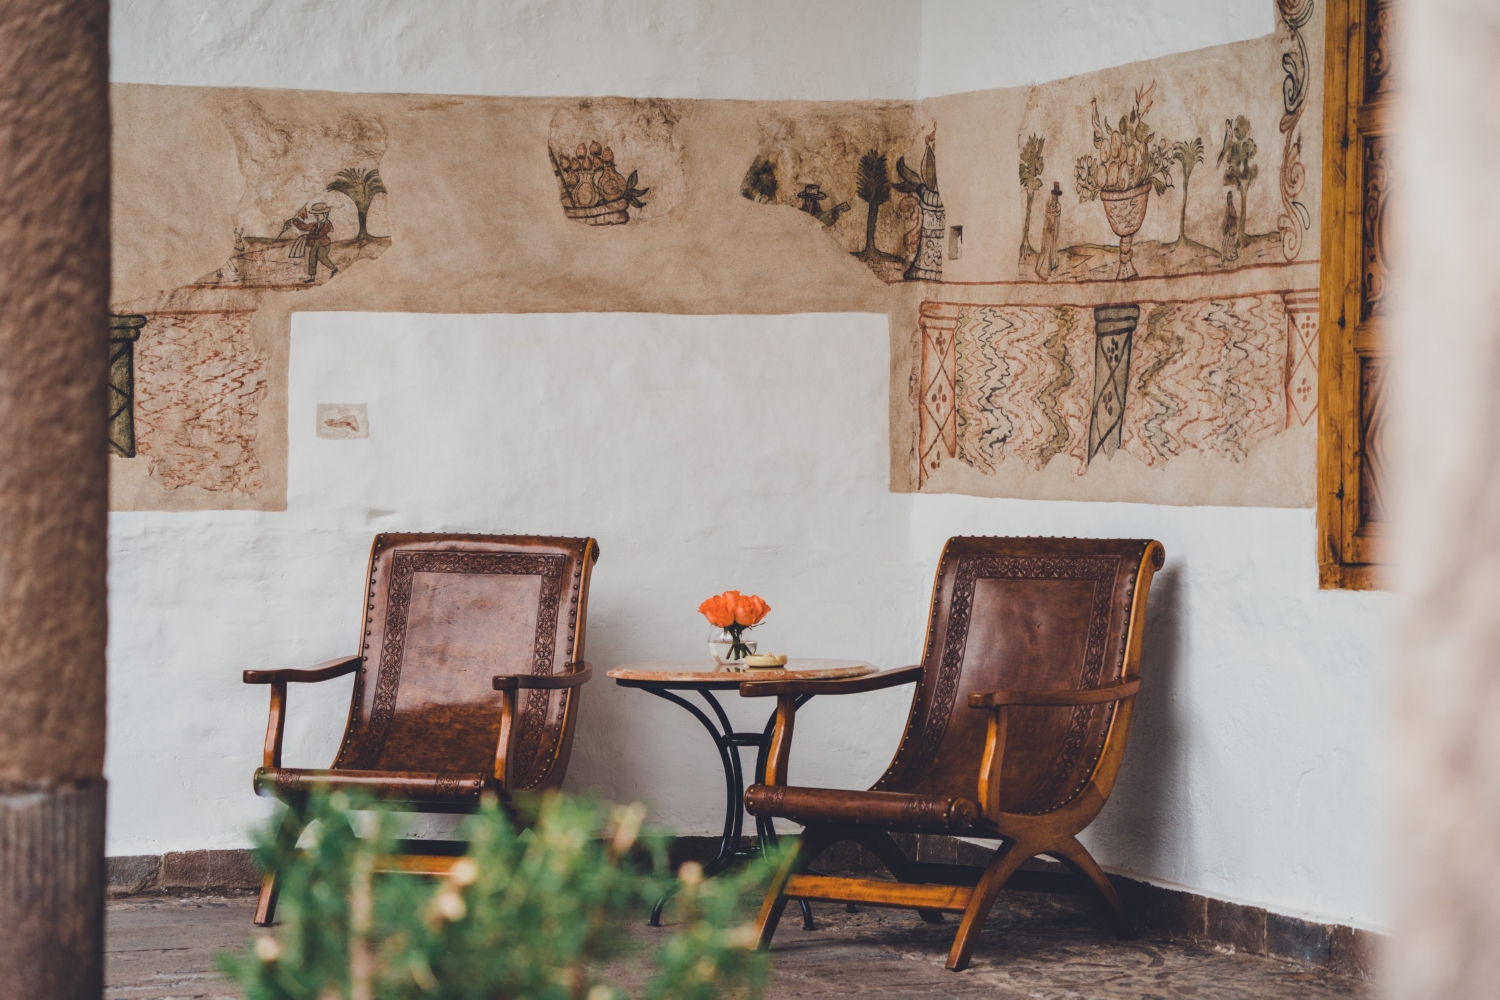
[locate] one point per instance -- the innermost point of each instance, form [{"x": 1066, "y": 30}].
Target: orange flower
[
  {"x": 749, "y": 610},
  {"x": 718, "y": 611}
]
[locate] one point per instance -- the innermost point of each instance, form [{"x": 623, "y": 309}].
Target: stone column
[
  {"x": 54, "y": 326},
  {"x": 1445, "y": 861}
]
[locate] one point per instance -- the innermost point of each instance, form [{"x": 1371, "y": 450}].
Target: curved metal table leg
[
  {"x": 728, "y": 743},
  {"x": 731, "y": 774}
]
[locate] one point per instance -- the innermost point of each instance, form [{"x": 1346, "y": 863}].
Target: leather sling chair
[
  {"x": 471, "y": 653},
  {"x": 1017, "y": 727}
]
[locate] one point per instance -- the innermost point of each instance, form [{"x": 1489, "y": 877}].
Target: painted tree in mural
[
  {"x": 360, "y": 187},
  {"x": 1238, "y": 152},
  {"x": 1032, "y": 166},
  {"x": 873, "y": 186},
  {"x": 1188, "y": 156}
]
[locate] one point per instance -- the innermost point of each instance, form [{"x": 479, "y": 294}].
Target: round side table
[{"x": 665, "y": 678}]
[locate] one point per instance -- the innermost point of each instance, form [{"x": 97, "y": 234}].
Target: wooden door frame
[{"x": 1349, "y": 547}]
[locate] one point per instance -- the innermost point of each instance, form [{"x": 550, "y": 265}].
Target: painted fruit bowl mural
[
  {"x": 593, "y": 189},
  {"x": 1131, "y": 162}
]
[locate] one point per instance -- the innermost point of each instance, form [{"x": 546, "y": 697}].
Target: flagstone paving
[{"x": 1033, "y": 948}]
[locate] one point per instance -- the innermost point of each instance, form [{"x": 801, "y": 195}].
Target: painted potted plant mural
[{"x": 1131, "y": 162}]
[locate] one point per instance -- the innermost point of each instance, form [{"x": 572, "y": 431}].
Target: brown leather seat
[
  {"x": 471, "y": 654},
  {"x": 1017, "y": 727}
]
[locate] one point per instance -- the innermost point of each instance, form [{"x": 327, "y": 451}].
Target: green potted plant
[{"x": 532, "y": 911}]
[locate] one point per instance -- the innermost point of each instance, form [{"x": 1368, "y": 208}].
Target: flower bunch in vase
[{"x": 732, "y": 613}]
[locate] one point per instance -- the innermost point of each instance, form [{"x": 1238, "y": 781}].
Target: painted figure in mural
[
  {"x": 812, "y": 197},
  {"x": 1231, "y": 231},
  {"x": 1047, "y": 259},
  {"x": 927, "y": 265},
  {"x": 315, "y": 241}
]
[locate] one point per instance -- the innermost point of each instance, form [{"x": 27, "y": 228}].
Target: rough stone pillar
[
  {"x": 1445, "y": 862},
  {"x": 54, "y": 326}
]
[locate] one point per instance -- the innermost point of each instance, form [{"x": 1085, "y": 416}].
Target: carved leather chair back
[
  {"x": 1033, "y": 614},
  {"x": 443, "y": 615}
]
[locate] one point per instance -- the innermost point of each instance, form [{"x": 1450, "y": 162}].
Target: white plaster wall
[
  {"x": 979, "y": 44},
  {"x": 707, "y": 453},
  {"x": 767, "y": 50}
]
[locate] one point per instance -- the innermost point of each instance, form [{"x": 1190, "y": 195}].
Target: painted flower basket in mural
[
  {"x": 593, "y": 190},
  {"x": 732, "y": 613},
  {"x": 1132, "y": 162}
]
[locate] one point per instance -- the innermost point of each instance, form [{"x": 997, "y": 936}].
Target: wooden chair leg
[
  {"x": 1077, "y": 857},
  {"x": 293, "y": 822},
  {"x": 809, "y": 846},
  {"x": 1001, "y": 867}
]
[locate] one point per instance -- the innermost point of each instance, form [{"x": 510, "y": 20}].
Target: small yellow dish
[{"x": 765, "y": 661}]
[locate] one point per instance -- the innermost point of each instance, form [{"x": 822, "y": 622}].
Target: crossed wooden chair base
[{"x": 930, "y": 888}]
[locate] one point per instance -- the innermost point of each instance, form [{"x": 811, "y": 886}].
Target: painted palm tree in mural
[
  {"x": 1188, "y": 156},
  {"x": 1032, "y": 165},
  {"x": 1239, "y": 152},
  {"x": 873, "y": 186},
  {"x": 360, "y": 187}
]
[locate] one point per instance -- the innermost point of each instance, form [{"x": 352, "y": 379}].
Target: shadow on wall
[{"x": 1147, "y": 821}]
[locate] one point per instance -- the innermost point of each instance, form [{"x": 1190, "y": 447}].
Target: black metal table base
[{"x": 729, "y": 743}]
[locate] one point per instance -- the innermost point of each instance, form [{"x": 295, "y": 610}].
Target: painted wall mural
[
  {"x": 1099, "y": 288},
  {"x": 598, "y": 149},
  {"x": 1076, "y": 384},
  {"x": 830, "y": 163}
]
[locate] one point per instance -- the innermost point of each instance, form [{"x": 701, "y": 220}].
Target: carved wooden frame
[{"x": 1352, "y": 354}]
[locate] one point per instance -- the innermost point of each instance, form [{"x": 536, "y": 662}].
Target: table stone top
[{"x": 704, "y": 671}]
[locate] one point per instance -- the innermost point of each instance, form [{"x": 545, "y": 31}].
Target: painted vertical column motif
[
  {"x": 937, "y": 414},
  {"x": 1301, "y": 357},
  {"x": 1114, "y": 333},
  {"x": 124, "y": 331}
]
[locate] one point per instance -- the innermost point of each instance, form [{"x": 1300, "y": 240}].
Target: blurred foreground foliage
[{"x": 534, "y": 911}]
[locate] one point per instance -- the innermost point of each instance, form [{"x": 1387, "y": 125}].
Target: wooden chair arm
[
  {"x": 994, "y": 742},
  {"x": 836, "y": 685},
  {"x": 546, "y": 682},
  {"x": 1087, "y": 696},
  {"x": 509, "y": 685},
  {"x": 278, "y": 679},
  {"x": 327, "y": 670}
]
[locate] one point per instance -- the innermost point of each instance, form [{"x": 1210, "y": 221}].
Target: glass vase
[{"x": 719, "y": 644}]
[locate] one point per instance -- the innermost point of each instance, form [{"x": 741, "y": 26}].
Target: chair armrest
[
  {"x": 508, "y": 685},
  {"x": 994, "y": 741},
  {"x": 327, "y": 670},
  {"x": 835, "y": 685},
  {"x": 546, "y": 682},
  {"x": 1087, "y": 696},
  {"x": 278, "y": 679}
]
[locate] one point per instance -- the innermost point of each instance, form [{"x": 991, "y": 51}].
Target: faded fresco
[
  {"x": 310, "y": 189},
  {"x": 616, "y": 159},
  {"x": 1076, "y": 384},
  {"x": 1100, "y": 288},
  {"x": 1183, "y": 173},
  {"x": 1159, "y": 336},
  {"x": 848, "y": 169},
  {"x": 312, "y": 207}
]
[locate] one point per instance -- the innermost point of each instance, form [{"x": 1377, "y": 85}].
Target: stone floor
[{"x": 163, "y": 947}]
